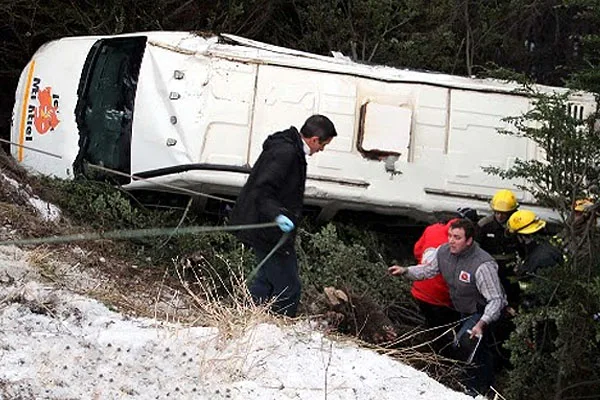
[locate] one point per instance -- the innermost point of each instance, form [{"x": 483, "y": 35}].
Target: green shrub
[
  {"x": 101, "y": 206},
  {"x": 555, "y": 349},
  {"x": 347, "y": 257}
]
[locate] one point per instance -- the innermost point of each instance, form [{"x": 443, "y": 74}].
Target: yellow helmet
[
  {"x": 583, "y": 205},
  {"x": 525, "y": 222},
  {"x": 504, "y": 201}
]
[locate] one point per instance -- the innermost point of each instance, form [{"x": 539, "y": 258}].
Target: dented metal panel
[{"x": 386, "y": 128}]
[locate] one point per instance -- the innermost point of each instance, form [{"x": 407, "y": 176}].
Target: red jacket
[{"x": 433, "y": 290}]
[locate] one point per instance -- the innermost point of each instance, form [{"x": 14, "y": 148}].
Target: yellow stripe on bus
[{"x": 26, "y": 95}]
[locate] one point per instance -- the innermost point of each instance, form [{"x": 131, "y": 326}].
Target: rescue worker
[
  {"x": 492, "y": 229},
  {"x": 432, "y": 294},
  {"x": 475, "y": 290},
  {"x": 582, "y": 220},
  {"x": 274, "y": 191},
  {"x": 538, "y": 252},
  {"x": 493, "y": 238},
  {"x": 583, "y": 210}
]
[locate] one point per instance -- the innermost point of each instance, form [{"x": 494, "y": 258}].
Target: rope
[
  {"x": 253, "y": 273},
  {"x": 264, "y": 260},
  {"x": 151, "y": 232},
  {"x": 134, "y": 233},
  {"x": 187, "y": 209},
  {"x": 30, "y": 148}
]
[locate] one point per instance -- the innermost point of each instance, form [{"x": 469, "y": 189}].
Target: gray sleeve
[
  {"x": 428, "y": 269},
  {"x": 488, "y": 284}
]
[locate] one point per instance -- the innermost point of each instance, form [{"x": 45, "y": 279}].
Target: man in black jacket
[{"x": 274, "y": 191}]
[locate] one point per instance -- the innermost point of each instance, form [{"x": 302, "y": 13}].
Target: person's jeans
[
  {"x": 441, "y": 318},
  {"x": 278, "y": 279},
  {"x": 480, "y": 373}
]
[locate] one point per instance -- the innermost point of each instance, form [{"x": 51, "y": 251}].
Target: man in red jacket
[{"x": 432, "y": 294}]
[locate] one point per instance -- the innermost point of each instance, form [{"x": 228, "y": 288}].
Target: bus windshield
[{"x": 104, "y": 110}]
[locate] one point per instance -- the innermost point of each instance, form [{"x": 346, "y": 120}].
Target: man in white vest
[{"x": 475, "y": 291}]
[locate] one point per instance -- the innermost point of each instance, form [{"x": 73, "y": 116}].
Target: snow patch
[
  {"x": 47, "y": 211},
  {"x": 75, "y": 347}
]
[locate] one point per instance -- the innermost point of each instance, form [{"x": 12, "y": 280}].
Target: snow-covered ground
[{"x": 55, "y": 344}]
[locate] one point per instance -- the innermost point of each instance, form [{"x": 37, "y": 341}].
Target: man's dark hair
[
  {"x": 466, "y": 224},
  {"x": 320, "y": 126}
]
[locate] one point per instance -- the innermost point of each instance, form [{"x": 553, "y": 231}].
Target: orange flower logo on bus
[
  {"x": 40, "y": 110},
  {"x": 45, "y": 115}
]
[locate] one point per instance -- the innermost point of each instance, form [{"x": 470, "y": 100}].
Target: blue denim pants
[
  {"x": 278, "y": 279},
  {"x": 480, "y": 373}
]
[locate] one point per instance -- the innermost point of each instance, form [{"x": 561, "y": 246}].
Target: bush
[
  {"x": 101, "y": 206},
  {"x": 346, "y": 257}
]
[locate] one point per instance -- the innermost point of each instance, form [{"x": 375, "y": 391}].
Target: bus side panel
[
  {"x": 287, "y": 96},
  {"x": 191, "y": 110},
  {"x": 430, "y": 125},
  {"x": 159, "y": 120},
  {"x": 474, "y": 141},
  {"x": 423, "y": 162},
  {"x": 228, "y": 112}
]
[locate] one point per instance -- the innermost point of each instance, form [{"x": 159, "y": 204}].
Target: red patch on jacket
[{"x": 464, "y": 277}]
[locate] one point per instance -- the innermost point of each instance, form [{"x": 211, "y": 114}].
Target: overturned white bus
[{"x": 192, "y": 112}]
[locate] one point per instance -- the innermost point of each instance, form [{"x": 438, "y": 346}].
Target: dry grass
[
  {"x": 20, "y": 220},
  {"x": 138, "y": 292},
  {"x": 43, "y": 260},
  {"x": 231, "y": 311},
  {"x": 416, "y": 348},
  {"x": 234, "y": 314}
]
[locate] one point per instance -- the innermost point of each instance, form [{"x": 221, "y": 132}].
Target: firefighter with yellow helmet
[
  {"x": 537, "y": 251},
  {"x": 492, "y": 229},
  {"x": 583, "y": 212},
  {"x": 493, "y": 238},
  {"x": 583, "y": 218},
  {"x": 583, "y": 205}
]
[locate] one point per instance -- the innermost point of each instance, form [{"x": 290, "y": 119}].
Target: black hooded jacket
[
  {"x": 492, "y": 238},
  {"x": 275, "y": 186},
  {"x": 540, "y": 254}
]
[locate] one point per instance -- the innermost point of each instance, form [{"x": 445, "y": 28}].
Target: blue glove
[{"x": 285, "y": 224}]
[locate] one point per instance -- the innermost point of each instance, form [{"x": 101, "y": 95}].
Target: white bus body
[{"x": 193, "y": 112}]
